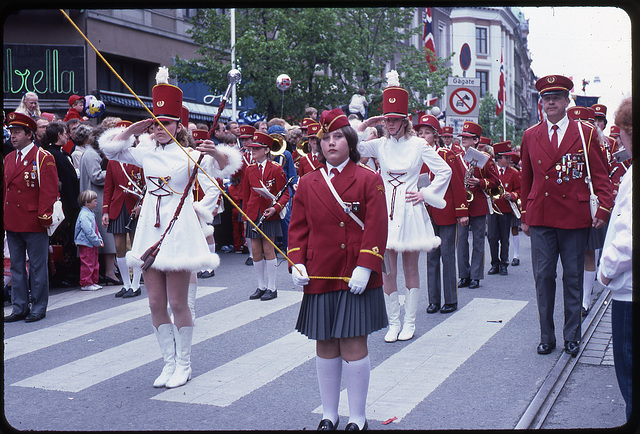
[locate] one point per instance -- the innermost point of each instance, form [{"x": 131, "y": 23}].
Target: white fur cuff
[
  {"x": 110, "y": 146},
  {"x": 433, "y": 199},
  {"x": 234, "y": 162}
]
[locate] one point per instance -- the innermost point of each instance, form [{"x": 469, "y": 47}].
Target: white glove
[
  {"x": 359, "y": 279},
  {"x": 300, "y": 278}
]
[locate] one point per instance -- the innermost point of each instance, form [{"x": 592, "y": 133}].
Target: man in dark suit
[
  {"x": 31, "y": 188},
  {"x": 555, "y": 206}
]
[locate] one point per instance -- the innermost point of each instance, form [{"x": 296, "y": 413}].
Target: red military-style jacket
[
  {"x": 456, "y": 148},
  {"x": 511, "y": 183},
  {"x": 274, "y": 179},
  {"x": 28, "y": 201},
  {"x": 456, "y": 195},
  {"x": 114, "y": 196},
  {"x": 488, "y": 177},
  {"x": 324, "y": 238},
  {"x": 564, "y": 204},
  {"x": 308, "y": 164}
]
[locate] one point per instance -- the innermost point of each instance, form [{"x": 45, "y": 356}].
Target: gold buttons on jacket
[
  {"x": 546, "y": 193},
  {"x": 342, "y": 246},
  {"x": 546, "y": 176},
  {"x": 341, "y": 224},
  {"x": 539, "y": 161}
]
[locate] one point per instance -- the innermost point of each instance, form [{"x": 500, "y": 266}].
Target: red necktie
[
  {"x": 335, "y": 173},
  {"x": 261, "y": 171},
  {"x": 554, "y": 137}
]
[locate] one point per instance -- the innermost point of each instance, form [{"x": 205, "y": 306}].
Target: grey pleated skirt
[
  {"x": 271, "y": 228},
  {"x": 117, "y": 226},
  {"x": 341, "y": 314},
  {"x": 596, "y": 237}
]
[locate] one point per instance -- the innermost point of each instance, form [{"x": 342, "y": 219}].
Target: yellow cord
[{"x": 346, "y": 279}]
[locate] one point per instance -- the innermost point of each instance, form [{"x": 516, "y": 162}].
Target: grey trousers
[
  {"x": 37, "y": 245},
  {"x": 498, "y": 231},
  {"x": 475, "y": 270},
  {"x": 570, "y": 245},
  {"x": 446, "y": 251}
]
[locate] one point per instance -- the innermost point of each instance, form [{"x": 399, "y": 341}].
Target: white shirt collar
[
  {"x": 24, "y": 151},
  {"x": 340, "y": 167},
  {"x": 562, "y": 125}
]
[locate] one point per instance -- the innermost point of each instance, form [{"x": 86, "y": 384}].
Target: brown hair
[
  {"x": 352, "y": 140},
  {"x": 624, "y": 117}
]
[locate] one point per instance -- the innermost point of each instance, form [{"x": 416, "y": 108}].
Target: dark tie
[
  {"x": 335, "y": 172},
  {"x": 501, "y": 171},
  {"x": 554, "y": 137},
  {"x": 261, "y": 170},
  {"x": 20, "y": 156}
]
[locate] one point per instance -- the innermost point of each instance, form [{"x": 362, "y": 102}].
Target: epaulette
[
  {"x": 367, "y": 167},
  {"x": 533, "y": 126}
]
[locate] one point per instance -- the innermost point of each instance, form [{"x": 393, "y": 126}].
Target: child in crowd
[
  {"x": 88, "y": 239},
  {"x": 76, "y": 107}
]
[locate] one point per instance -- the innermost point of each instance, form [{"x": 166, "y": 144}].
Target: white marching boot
[
  {"x": 393, "y": 313},
  {"x": 410, "y": 309},
  {"x": 164, "y": 334},
  {"x": 182, "y": 374}
]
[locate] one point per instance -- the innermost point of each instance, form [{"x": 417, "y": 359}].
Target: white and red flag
[{"x": 500, "y": 103}]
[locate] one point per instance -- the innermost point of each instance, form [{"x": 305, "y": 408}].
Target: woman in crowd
[{"x": 401, "y": 155}]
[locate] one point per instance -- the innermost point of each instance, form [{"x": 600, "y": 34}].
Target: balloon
[
  {"x": 435, "y": 111},
  {"x": 283, "y": 82},
  {"x": 93, "y": 107}
]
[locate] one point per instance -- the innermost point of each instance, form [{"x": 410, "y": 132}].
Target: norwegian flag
[
  {"x": 500, "y": 103},
  {"x": 427, "y": 38}
]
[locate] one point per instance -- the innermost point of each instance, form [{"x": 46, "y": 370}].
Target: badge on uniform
[{"x": 352, "y": 206}]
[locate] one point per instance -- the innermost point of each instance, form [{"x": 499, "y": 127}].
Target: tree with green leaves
[
  {"x": 492, "y": 125},
  {"x": 329, "y": 54}
]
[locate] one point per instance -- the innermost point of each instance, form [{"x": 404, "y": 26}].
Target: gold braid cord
[{"x": 346, "y": 279}]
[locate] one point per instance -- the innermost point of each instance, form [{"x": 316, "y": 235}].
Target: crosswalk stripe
[
  {"x": 88, "y": 371},
  {"x": 226, "y": 384},
  {"x": 405, "y": 379},
  {"x": 39, "y": 339},
  {"x": 67, "y": 298}
]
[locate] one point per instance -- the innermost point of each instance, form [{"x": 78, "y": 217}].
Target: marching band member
[
  {"x": 263, "y": 174},
  {"x": 184, "y": 249},
  {"x": 515, "y": 223},
  {"x": 311, "y": 161},
  {"x": 444, "y": 224},
  {"x": 119, "y": 209},
  {"x": 401, "y": 156},
  {"x": 447, "y": 138},
  {"x": 337, "y": 314},
  {"x": 479, "y": 180},
  {"x": 556, "y": 206},
  {"x": 499, "y": 225}
]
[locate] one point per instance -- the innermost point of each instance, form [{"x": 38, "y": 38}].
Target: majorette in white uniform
[{"x": 167, "y": 169}]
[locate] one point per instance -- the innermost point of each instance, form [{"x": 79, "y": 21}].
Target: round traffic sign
[
  {"x": 462, "y": 101},
  {"x": 465, "y": 56}
]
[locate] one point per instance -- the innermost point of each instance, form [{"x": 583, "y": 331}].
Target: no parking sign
[{"x": 463, "y": 101}]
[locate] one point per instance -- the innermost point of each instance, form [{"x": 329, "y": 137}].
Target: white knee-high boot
[
  {"x": 393, "y": 313},
  {"x": 182, "y": 374},
  {"x": 164, "y": 334},
  {"x": 410, "y": 309}
]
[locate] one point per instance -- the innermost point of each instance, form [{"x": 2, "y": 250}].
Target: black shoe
[
  {"x": 121, "y": 292},
  {"x": 494, "y": 269},
  {"x": 475, "y": 283},
  {"x": 256, "y": 295},
  {"x": 269, "y": 295},
  {"x": 109, "y": 281},
  {"x": 572, "y": 348},
  {"x": 448, "y": 308},
  {"x": 515, "y": 262},
  {"x": 433, "y": 308},
  {"x": 327, "y": 425},
  {"x": 249, "y": 261},
  {"x": 464, "y": 282},
  {"x": 352, "y": 426},
  {"x": 503, "y": 270},
  {"x": 207, "y": 274},
  {"x": 33, "y": 317},
  {"x": 16, "y": 317},
  {"x": 131, "y": 293},
  {"x": 546, "y": 348}
]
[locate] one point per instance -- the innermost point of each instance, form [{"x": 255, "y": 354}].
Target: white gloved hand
[
  {"x": 359, "y": 279},
  {"x": 300, "y": 278}
]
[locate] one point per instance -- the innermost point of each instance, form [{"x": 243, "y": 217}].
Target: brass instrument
[
  {"x": 467, "y": 175},
  {"x": 494, "y": 194},
  {"x": 280, "y": 144},
  {"x": 303, "y": 147}
]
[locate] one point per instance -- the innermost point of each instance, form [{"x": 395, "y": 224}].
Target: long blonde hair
[{"x": 22, "y": 108}]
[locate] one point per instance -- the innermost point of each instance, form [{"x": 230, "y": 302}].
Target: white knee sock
[
  {"x": 135, "y": 281},
  {"x": 259, "y": 267},
  {"x": 356, "y": 376},
  {"x": 270, "y": 271},
  {"x": 516, "y": 246},
  {"x": 329, "y": 377},
  {"x": 587, "y": 286},
  {"x": 212, "y": 247},
  {"x": 124, "y": 271}
]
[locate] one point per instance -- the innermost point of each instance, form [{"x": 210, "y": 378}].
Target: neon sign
[{"x": 51, "y": 71}]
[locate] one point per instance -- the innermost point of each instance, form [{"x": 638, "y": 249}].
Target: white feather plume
[
  {"x": 392, "y": 78},
  {"x": 162, "y": 76}
]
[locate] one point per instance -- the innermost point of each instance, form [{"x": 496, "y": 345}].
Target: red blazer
[
  {"x": 564, "y": 205},
  {"x": 28, "y": 204},
  {"x": 273, "y": 178},
  {"x": 329, "y": 242},
  {"x": 456, "y": 195},
  {"x": 511, "y": 183},
  {"x": 307, "y": 164},
  {"x": 114, "y": 196},
  {"x": 489, "y": 178}
]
